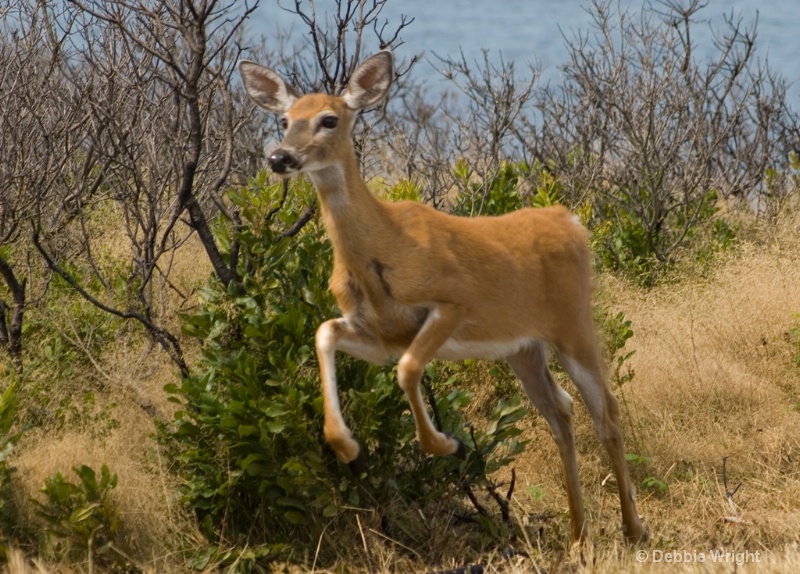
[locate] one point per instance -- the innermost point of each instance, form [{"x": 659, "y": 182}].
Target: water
[{"x": 532, "y": 31}]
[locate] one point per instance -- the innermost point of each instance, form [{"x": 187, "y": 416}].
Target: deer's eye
[
  {"x": 329, "y": 122},
  {"x": 283, "y": 123}
]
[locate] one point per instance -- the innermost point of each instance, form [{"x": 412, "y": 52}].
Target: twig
[
  {"x": 3, "y": 330},
  {"x": 729, "y": 493},
  {"x": 367, "y": 553},
  {"x": 472, "y": 436},
  {"x": 319, "y": 545},
  {"x": 432, "y": 400},
  {"x": 503, "y": 503},
  {"x": 481, "y": 510},
  {"x": 304, "y": 218},
  {"x": 511, "y": 486},
  {"x": 167, "y": 340}
]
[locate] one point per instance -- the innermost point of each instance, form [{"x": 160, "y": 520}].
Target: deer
[{"x": 415, "y": 284}]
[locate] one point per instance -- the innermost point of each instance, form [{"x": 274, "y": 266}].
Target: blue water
[{"x": 532, "y": 31}]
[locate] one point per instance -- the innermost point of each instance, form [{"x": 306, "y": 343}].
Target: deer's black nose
[{"x": 281, "y": 160}]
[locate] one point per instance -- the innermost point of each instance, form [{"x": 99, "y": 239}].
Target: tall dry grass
[{"x": 714, "y": 377}]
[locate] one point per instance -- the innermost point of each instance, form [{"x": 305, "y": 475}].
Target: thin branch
[
  {"x": 432, "y": 401},
  {"x": 304, "y": 218},
  {"x": 729, "y": 493},
  {"x": 167, "y": 340}
]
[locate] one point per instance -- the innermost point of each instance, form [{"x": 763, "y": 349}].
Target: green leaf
[
  {"x": 275, "y": 427},
  {"x": 330, "y": 511},
  {"x": 292, "y": 502},
  {"x": 250, "y": 459},
  {"x": 248, "y": 430},
  {"x": 88, "y": 477},
  {"x": 296, "y": 518},
  {"x": 83, "y": 513}
]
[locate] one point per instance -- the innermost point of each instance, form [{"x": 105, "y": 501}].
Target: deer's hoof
[
  {"x": 461, "y": 451},
  {"x": 359, "y": 464}
]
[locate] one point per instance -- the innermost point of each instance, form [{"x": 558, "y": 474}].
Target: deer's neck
[{"x": 354, "y": 218}]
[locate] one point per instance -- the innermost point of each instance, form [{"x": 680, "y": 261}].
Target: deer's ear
[
  {"x": 266, "y": 88},
  {"x": 371, "y": 81}
]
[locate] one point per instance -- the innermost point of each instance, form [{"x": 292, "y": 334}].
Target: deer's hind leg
[
  {"x": 580, "y": 357},
  {"x": 555, "y": 405}
]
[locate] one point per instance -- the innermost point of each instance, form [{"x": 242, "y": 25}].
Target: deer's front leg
[
  {"x": 438, "y": 327},
  {"x": 333, "y": 335}
]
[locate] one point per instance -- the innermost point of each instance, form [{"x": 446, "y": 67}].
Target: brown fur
[{"x": 416, "y": 283}]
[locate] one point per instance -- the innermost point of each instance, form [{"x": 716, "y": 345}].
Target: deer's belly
[{"x": 458, "y": 350}]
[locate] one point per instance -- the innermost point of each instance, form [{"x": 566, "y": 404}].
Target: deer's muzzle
[{"x": 282, "y": 161}]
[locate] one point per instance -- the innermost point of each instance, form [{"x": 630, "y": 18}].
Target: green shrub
[
  {"x": 548, "y": 190},
  {"x": 248, "y": 438},
  {"x": 623, "y": 242},
  {"x": 641, "y": 468},
  {"x": 404, "y": 190},
  {"x": 67, "y": 337},
  {"x": 615, "y": 331},
  {"x": 81, "y": 519},
  {"x": 494, "y": 197},
  {"x": 515, "y": 185},
  {"x": 8, "y": 415}
]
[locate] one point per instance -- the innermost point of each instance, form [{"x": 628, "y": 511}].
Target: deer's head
[{"x": 317, "y": 127}]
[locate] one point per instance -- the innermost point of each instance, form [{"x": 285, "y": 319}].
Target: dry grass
[
  {"x": 117, "y": 428},
  {"x": 713, "y": 378},
  {"x": 145, "y": 493}
]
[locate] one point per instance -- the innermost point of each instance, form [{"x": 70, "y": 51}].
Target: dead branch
[{"x": 730, "y": 493}]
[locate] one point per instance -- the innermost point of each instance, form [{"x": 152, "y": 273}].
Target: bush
[
  {"x": 81, "y": 519},
  {"x": 8, "y": 415},
  {"x": 495, "y": 196},
  {"x": 248, "y": 438},
  {"x": 653, "y": 136},
  {"x": 513, "y": 186}
]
